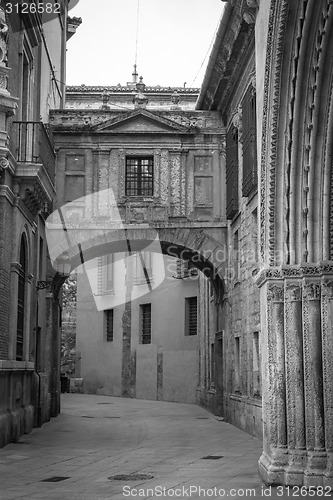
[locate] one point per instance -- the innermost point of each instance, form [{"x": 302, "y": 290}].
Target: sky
[{"x": 173, "y": 44}]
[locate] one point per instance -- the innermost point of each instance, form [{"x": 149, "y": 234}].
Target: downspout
[{"x": 214, "y": 53}]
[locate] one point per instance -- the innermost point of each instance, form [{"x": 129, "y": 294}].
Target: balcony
[{"x": 31, "y": 144}]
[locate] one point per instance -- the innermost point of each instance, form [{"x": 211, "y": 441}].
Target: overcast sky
[{"x": 174, "y": 39}]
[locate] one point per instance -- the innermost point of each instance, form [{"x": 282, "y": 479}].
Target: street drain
[
  {"x": 86, "y": 416},
  {"x": 202, "y": 418},
  {"x": 54, "y": 479},
  {"x": 130, "y": 477},
  {"x": 105, "y": 403},
  {"x": 212, "y": 457},
  {"x": 112, "y": 417}
]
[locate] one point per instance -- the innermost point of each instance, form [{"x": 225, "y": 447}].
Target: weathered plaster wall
[{"x": 166, "y": 369}]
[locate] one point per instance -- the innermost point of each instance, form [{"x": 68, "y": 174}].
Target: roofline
[
  {"x": 123, "y": 89},
  {"x": 214, "y": 53}
]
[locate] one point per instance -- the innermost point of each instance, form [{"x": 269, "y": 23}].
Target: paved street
[{"x": 96, "y": 438}]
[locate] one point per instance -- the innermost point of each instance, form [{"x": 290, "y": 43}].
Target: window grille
[
  {"x": 232, "y": 172},
  {"x": 191, "y": 312},
  {"x": 139, "y": 176},
  {"x": 249, "y": 134},
  {"x": 146, "y": 323},
  {"x": 109, "y": 325}
]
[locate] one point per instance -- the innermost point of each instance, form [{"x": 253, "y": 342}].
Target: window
[
  {"x": 236, "y": 255},
  {"x": 191, "y": 316},
  {"x": 145, "y": 323},
  {"x": 105, "y": 274},
  {"x": 143, "y": 268},
  {"x": 27, "y": 82},
  {"x": 185, "y": 269},
  {"x": 212, "y": 365},
  {"x": 254, "y": 236},
  {"x": 232, "y": 172},
  {"x": 139, "y": 176},
  {"x": 256, "y": 365},
  {"x": 74, "y": 177},
  {"x": 21, "y": 302},
  {"x": 249, "y": 135},
  {"x": 109, "y": 325},
  {"x": 237, "y": 364}
]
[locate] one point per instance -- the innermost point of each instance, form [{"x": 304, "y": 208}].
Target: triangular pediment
[{"x": 141, "y": 122}]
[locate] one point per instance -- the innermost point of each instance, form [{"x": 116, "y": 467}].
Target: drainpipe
[{"x": 214, "y": 53}]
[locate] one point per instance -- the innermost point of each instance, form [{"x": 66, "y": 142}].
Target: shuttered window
[
  {"x": 21, "y": 301},
  {"x": 250, "y": 180},
  {"x": 105, "y": 274},
  {"x": 232, "y": 172},
  {"x": 145, "y": 324},
  {"x": 191, "y": 316}
]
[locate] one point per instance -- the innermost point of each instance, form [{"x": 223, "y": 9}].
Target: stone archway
[{"x": 195, "y": 245}]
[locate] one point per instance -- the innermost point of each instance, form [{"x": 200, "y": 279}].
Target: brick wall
[{"x": 5, "y": 259}]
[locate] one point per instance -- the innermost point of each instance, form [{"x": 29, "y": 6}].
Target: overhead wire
[{"x": 207, "y": 53}]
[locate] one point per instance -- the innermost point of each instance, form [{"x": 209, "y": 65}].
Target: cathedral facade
[{"x": 270, "y": 75}]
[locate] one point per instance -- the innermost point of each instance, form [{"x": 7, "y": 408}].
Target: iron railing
[{"x": 31, "y": 143}]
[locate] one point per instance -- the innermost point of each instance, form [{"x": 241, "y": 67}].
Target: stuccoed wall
[{"x": 166, "y": 369}]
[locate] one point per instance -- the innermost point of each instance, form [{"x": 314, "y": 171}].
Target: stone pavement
[{"x": 98, "y": 437}]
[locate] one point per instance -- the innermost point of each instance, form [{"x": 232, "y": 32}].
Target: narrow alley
[
  {"x": 164, "y": 449},
  {"x": 98, "y": 437}
]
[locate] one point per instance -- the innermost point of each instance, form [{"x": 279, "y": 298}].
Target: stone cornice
[
  {"x": 233, "y": 42},
  {"x": 301, "y": 271},
  {"x": 12, "y": 365},
  {"x": 8, "y": 194}
]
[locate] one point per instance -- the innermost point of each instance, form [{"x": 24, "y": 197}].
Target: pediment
[{"x": 141, "y": 122}]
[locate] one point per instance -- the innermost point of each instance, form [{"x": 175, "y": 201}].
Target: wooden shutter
[
  {"x": 250, "y": 180},
  {"x": 232, "y": 172}
]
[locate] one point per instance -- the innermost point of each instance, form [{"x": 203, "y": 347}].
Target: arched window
[{"x": 21, "y": 301}]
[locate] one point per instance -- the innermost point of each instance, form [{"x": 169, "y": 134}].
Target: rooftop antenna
[{"x": 135, "y": 74}]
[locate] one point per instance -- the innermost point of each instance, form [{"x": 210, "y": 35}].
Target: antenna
[{"x": 137, "y": 34}]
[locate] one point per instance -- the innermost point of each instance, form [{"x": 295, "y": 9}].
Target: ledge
[
  {"x": 246, "y": 399},
  {"x": 13, "y": 365}
]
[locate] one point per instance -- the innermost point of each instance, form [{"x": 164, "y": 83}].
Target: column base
[{"x": 301, "y": 468}]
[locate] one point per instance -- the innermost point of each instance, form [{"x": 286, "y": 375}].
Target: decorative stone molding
[
  {"x": 271, "y": 111},
  {"x": 311, "y": 291},
  {"x": 279, "y": 273},
  {"x": 105, "y": 99},
  {"x": 249, "y": 16},
  {"x": 275, "y": 293},
  {"x": 3, "y": 37},
  {"x": 253, "y": 4},
  {"x": 140, "y": 100},
  {"x": 293, "y": 292},
  {"x": 4, "y": 164}
]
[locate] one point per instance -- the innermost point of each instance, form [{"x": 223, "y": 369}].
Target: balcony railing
[{"x": 30, "y": 143}]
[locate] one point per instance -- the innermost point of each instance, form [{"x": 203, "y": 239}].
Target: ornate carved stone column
[
  {"x": 297, "y": 325},
  {"x": 313, "y": 378},
  {"x": 274, "y": 395},
  {"x": 294, "y": 379},
  {"x": 327, "y": 344}
]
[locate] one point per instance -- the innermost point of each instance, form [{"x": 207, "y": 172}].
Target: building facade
[
  {"x": 270, "y": 76},
  {"x": 163, "y": 362},
  {"x": 158, "y": 162},
  {"x": 32, "y": 57}
]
